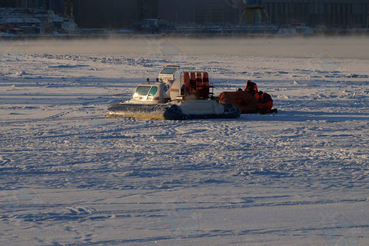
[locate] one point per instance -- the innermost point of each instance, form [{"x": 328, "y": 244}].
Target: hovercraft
[{"x": 175, "y": 96}]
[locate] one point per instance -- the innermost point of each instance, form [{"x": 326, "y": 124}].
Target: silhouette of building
[
  {"x": 95, "y": 13},
  {"x": 59, "y": 6},
  {"x": 8, "y": 3},
  {"x": 310, "y": 12},
  {"x": 113, "y": 13},
  {"x": 318, "y": 12},
  {"x": 122, "y": 13},
  {"x": 197, "y": 11},
  {"x": 24, "y": 3}
]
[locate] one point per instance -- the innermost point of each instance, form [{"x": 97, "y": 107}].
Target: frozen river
[{"x": 71, "y": 176}]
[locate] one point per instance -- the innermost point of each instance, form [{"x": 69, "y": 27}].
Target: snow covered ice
[{"x": 71, "y": 176}]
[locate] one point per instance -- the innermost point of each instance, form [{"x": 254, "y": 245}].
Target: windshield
[
  {"x": 143, "y": 90},
  {"x": 169, "y": 70},
  {"x": 153, "y": 91}
]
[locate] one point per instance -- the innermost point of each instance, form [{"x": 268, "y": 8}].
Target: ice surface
[{"x": 71, "y": 176}]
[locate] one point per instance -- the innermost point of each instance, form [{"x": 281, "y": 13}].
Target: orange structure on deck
[{"x": 196, "y": 84}]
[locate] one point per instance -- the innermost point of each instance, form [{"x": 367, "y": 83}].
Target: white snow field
[{"x": 71, "y": 176}]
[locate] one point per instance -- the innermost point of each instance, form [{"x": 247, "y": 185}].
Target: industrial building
[
  {"x": 280, "y": 12},
  {"x": 197, "y": 11},
  {"x": 24, "y": 3},
  {"x": 61, "y": 7},
  {"x": 113, "y": 13},
  {"x": 8, "y": 3},
  {"x": 318, "y": 12},
  {"x": 95, "y": 13},
  {"x": 122, "y": 13}
]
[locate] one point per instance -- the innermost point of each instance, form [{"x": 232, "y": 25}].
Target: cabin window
[
  {"x": 169, "y": 70},
  {"x": 153, "y": 91},
  {"x": 143, "y": 90}
]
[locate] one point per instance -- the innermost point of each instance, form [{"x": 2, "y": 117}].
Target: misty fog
[{"x": 338, "y": 47}]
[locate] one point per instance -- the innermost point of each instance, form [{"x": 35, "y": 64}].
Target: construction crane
[{"x": 252, "y": 9}]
